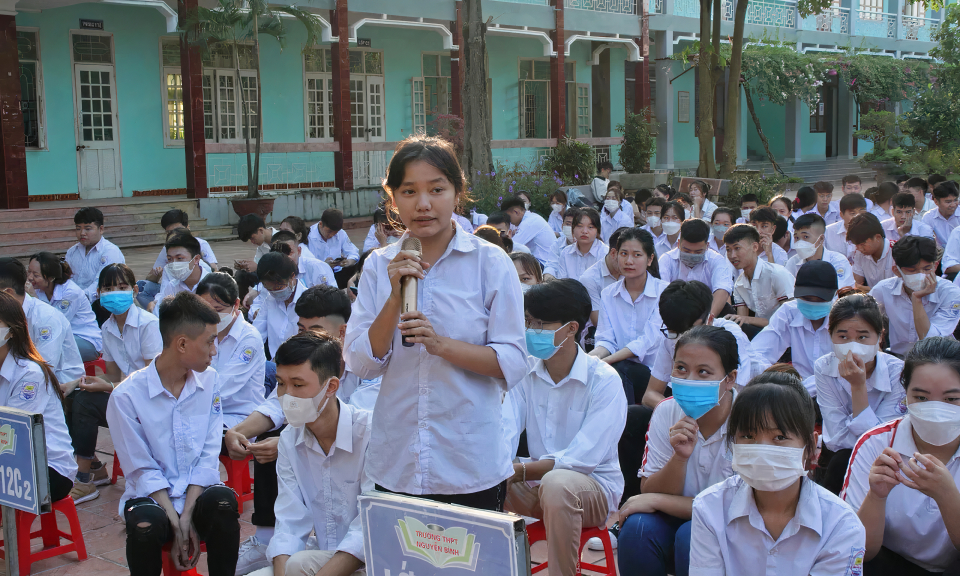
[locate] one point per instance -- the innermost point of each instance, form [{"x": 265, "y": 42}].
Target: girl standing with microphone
[{"x": 437, "y": 421}]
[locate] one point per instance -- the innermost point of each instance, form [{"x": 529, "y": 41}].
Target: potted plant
[
  {"x": 639, "y": 145},
  {"x": 237, "y": 23}
]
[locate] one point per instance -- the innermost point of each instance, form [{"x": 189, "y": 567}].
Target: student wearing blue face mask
[
  {"x": 686, "y": 452},
  {"x": 572, "y": 478}
]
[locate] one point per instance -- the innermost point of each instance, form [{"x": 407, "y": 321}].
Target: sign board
[
  {"x": 363, "y": 42},
  {"x": 403, "y": 536},
  {"x": 717, "y": 187},
  {"x": 24, "y": 484},
  {"x": 91, "y": 24}
]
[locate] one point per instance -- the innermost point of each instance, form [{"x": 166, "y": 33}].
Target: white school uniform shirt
[
  {"x": 136, "y": 345},
  {"x": 661, "y": 244},
  {"x": 573, "y": 263},
  {"x": 879, "y": 212},
  {"x": 576, "y": 422},
  {"x": 663, "y": 365},
  {"x": 729, "y": 537},
  {"x": 86, "y": 266},
  {"x": 873, "y": 271},
  {"x": 317, "y": 491},
  {"x": 770, "y": 287},
  {"x": 788, "y": 328},
  {"x": 370, "y": 242},
  {"x": 628, "y": 323},
  {"x": 521, "y": 248},
  {"x": 832, "y": 215},
  {"x": 277, "y": 321},
  {"x": 917, "y": 228},
  {"x": 610, "y": 224},
  {"x": 780, "y": 255},
  {"x": 928, "y": 205},
  {"x": 53, "y": 337},
  {"x": 886, "y": 400},
  {"x": 240, "y": 362},
  {"x": 555, "y": 220},
  {"x": 835, "y": 239},
  {"x": 534, "y": 233},
  {"x": 463, "y": 222},
  {"x": 68, "y": 299},
  {"x": 431, "y": 439},
  {"x": 166, "y": 443},
  {"x": 311, "y": 272},
  {"x": 595, "y": 279},
  {"x": 706, "y": 211},
  {"x": 552, "y": 265},
  {"x": 477, "y": 219},
  {"x": 599, "y": 187},
  {"x": 263, "y": 248},
  {"x": 172, "y": 286},
  {"x": 942, "y": 307},
  {"x": 359, "y": 393},
  {"x": 914, "y": 526},
  {"x": 942, "y": 227},
  {"x": 24, "y": 385},
  {"x": 837, "y": 260},
  {"x": 709, "y": 462},
  {"x": 205, "y": 252},
  {"x": 951, "y": 253},
  {"x": 338, "y": 246},
  {"x": 715, "y": 271}
]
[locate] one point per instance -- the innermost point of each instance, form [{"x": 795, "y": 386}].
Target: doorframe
[{"x": 76, "y": 99}]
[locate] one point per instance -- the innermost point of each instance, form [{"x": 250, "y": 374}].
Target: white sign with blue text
[
  {"x": 23, "y": 462},
  {"x": 406, "y": 536}
]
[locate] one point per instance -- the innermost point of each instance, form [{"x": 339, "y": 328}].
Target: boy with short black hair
[
  {"x": 311, "y": 272},
  {"x": 92, "y": 252},
  {"x": 748, "y": 203},
  {"x": 599, "y": 184},
  {"x": 185, "y": 268},
  {"x": 872, "y": 261},
  {"x": 532, "y": 230},
  {"x": 826, "y": 207},
  {"x": 904, "y": 223},
  {"x": 918, "y": 187},
  {"x": 329, "y": 243},
  {"x": 851, "y": 184},
  {"x": 552, "y": 266},
  {"x": 835, "y": 235},
  {"x": 808, "y": 234},
  {"x": 692, "y": 259},
  {"x": 917, "y": 303},
  {"x": 176, "y": 219},
  {"x": 277, "y": 319},
  {"x": 945, "y": 218},
  {"x": 653, "y": 210},
  {"x": 173, "y": 490},
  {"x": 254, "y": 230},
  {"x": 761, "y": 286},
  {"x": 501, "y": 221},
  {"x": 764, "y": 220},
  {"x": 901, "y": 181}
]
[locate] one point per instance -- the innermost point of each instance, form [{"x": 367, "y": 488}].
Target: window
[
  {"x": 172, "y": 87},
  {"x": 366, "y": 94},
  {"x": 431, "y": 92},
  {"x": 570, "y": 81},
  {"x": 91, "y": 49},
  {"x": 534, "y": 83},
  {"x": 28, "y": 50},
  {"x": 318, "y": 83},
  {"x": 871, "y": 10}
]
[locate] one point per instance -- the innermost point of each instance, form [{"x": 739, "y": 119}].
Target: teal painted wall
[
  {"x": 773, "y": 121},
  {"x": 685, "y": 145},
  {"x": 813, "y": 145}
]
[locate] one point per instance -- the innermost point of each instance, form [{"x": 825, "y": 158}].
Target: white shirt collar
[
  {"x": 578, "y": 372},
  {"x": 344, "y": 439}
]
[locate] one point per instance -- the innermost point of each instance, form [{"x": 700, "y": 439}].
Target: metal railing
[
  {"x": 609, "y": 6},
  {"x": 915, "y": 28},
  {"x": 836, "y": 20}
]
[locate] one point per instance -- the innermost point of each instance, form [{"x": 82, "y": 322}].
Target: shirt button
[
  {"x": 423, "y": 425},
  {"x": 773, "y": 551}
]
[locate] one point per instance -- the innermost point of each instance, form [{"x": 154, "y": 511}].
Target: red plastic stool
[
  {"x": 117, "y": 471},
  {"x": 91, "y": 367},
  {"x": 238, "y": 477},
  {"x": 51, "y": 535},
  {"x": 536, "y": 532},
  {"x": 168, "y": 567}
]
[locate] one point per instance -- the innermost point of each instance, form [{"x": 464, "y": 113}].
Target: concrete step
[
  {"x": 21, "y": 245},
  {"x": 161, "y": 204},
  {"x": 112, "y": 223}
]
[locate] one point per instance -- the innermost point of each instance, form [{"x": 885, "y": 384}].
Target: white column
[{"x": 665, "y": 109}]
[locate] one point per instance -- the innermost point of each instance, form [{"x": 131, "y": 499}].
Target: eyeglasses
[
  {"x": 668, "y": 334},
  {"x": 536, "y": 325}
]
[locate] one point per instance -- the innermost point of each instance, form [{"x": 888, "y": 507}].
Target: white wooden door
[
  {"x": 369, "y": 167},
  {"x": 98, "y": 147}
]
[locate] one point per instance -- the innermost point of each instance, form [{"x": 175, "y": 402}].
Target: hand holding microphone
[{"x": 408, "y": 286}]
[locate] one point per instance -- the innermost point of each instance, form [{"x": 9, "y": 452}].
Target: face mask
[
  {"x": 691, "y": 260},
  {"x": 3, "y": 334},
  {"x": 225, "y": 319},
  {"x": 866, "y": 352},
  {"x": 282, "y": 295},
  {"x": 526, "y": 205},
  {"x": 653, "y": 221},
  {"x": 719, "y": 231},
  {"x": 814, "y": 310},
  {"x": 117, "y": 302},
  {"x": 912, "y": 281},
  {"x": 937, "y": 423},
  {"x": 179, "y": 270},
  {"x": 540, "y": 345},
  {"x": 524, "y": 288},
  {"x": 804, "y": 249},
  {"x": 671, "y": 227},
  {"x": 568, "y": 233},
  {"x": 392, "y": 239},
  {"x": 768, "y": 468},
  {"x": 696, "y": 397},
  {"x": 556, "y": 208},
  {"x": 302, "y": 411},
  {"x": 745, "y": 213},
  {"x": 611, "y": 205}
]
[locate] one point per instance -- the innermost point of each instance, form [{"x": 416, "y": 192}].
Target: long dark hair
[
  {"x": 863, "y": 306},
  {"x": 19, "y": 342},
  {"x": 646, "y": 242},
  {"x": 934, "y": 350},
  {"x": 299, "y": 227},
  {"x": 433, "y": 150}
]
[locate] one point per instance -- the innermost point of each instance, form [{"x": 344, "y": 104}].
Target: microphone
[{"x": 408, "y": 286}]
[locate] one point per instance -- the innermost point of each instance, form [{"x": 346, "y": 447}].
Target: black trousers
[
  {"x": 215, "y": 517},
  {"x": 344, "y": 275},
  {"x": 835, "y": 468},
  {"x": 635, "y": 377},
  {"x": 265, "y": 488},
  {"x": 60, "y": 486},
  {"x": 889, "y": 563},
  {"x": 490, "y": 499},
  {"x": 87, "y": 413},
  {"x": 631, "y": 446}
]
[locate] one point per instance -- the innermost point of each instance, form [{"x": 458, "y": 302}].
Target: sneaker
[
  {"x": 84, "y": 492},
  {"x": 253, "y": 556},
  {"x": 596, "y": 544},
  {"x": 100, "y": 475}
]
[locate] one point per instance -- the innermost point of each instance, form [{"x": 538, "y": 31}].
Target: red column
[
  {"x": 13, "y": 193},
  {"x": 340, "y": 52},
  {"x": 641, "y": 80},
  {"x": 194, "y": 142},
  {"x": 456, "y": 57},
  {"x": 558, "y": 92}
]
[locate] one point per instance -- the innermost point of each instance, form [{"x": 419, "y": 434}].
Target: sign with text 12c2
[
  {"x": 23, "y": 461},
  {"x": 363, "y": 43},
  {"x": 406, "y": 536}
]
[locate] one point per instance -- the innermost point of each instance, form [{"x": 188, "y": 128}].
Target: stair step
[
  {"x": 109, "y": 209},
  {"x": 20, "y": 248},
  {"x": 120, "y": 223}
]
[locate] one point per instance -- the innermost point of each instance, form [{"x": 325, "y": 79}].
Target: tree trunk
[
  {"x": 707, "y": 167},
  {"x": 732, "y": 119},
  {"x": 476, "y": 144},
  {"x": 253, "y": 189},
  {"x": 756, "y": 122}
]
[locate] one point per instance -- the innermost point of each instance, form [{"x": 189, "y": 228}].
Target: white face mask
[
  {"x": 611, "y": 206},
  {"x": 653, "y": 221},
  {"x": 568, "y": 233},
  {"x": 179, "y": 270},
  {"x": 225, "y": 319},
  {"x": 866, "y": 352},
  {"x": 3, "y": 335},
  {"x": 719, "y": 230},
  {"x": 768, "y": 468},
  {"x": 935, "y": 422},
  {"x": 524, "y": 288},
  {"x": 912, "y": 281},
  {"x": 671, "y": 227},
  {"x": 392, "y": 239},
  {"x": 745, "y": 213},
  {"x": 303, "y": 411},
  {"x": 556, "y": 208},
  {"x": 804, "y": 249},
  {"x": 526, "y": 205}
]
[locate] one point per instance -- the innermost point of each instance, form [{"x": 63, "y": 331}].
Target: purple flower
[
  {"x": 514, "y": 182},
  {"x": 576, "y": 175},
  {"x": 493, "y": 173},
  {"x": 510, "y": 189},
  {"x": 478, "y": 172}
]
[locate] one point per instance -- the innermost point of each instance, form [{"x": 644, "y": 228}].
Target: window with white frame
[
  {"x": 31, "y": 91},
  {"x": 318, "y": 95},
  {"x": 871, "y": 9},
  {"x": 171, "y": 87},
  {"x": 574, "y": 129},
  {"x": 534, "y": 86}
]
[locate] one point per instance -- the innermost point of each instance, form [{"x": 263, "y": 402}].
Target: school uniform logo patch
[
  {"x": 955, "y": 309},
  {"x": 64, "y": 304},
  {"x": 840, "y": 272},
  {"x": 46, "y": 334},
  {"x": 246, "y": 355},
  {"x": 855, "y": 566},
  {"x": 103, "y": 259},
  {"x": 902, "y": 406},
  {"x": 28, "y": 391},
  {"x": 217, "y": 406}
]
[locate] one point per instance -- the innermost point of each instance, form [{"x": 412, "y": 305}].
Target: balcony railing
[
  {"x": 836, "y": 20},
  {"x": 876, "y": 24},
  {"x": 609, "y": 6},
  {"x": 920, "y": 28}
]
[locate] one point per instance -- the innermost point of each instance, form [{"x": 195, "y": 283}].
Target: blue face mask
[
  {"x": 696, "y": 397},
  {"x": 540, "y": 345},
  {"x": 814, "y": 310},
  {"x": 117, "y": 302}
]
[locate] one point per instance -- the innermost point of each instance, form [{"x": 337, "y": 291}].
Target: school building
[{"x": 110, "y": 104}]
